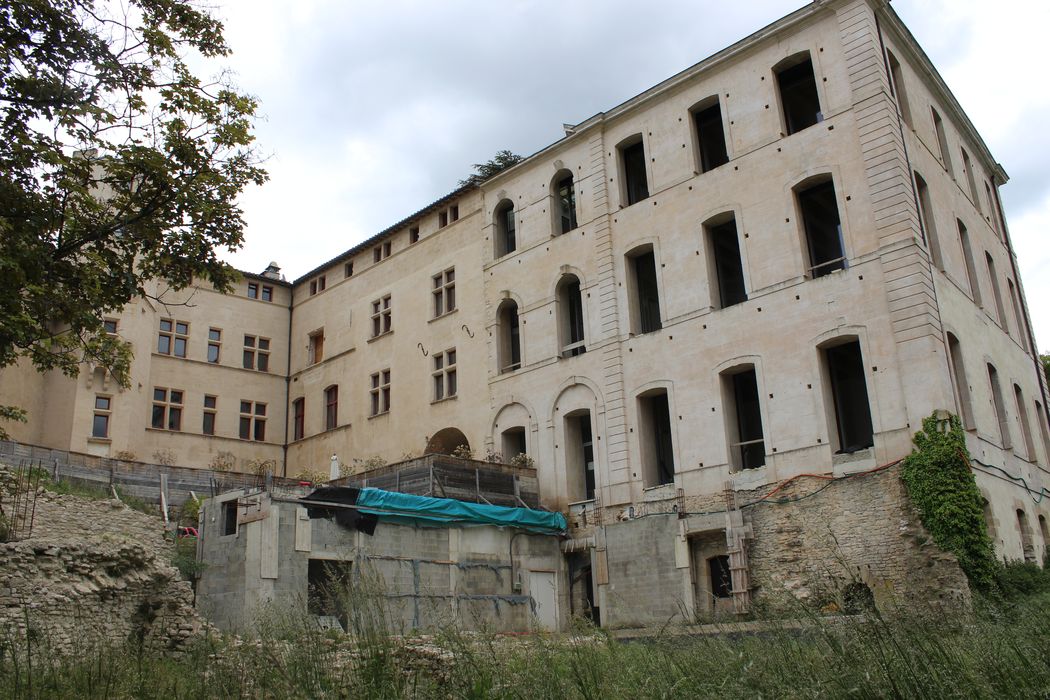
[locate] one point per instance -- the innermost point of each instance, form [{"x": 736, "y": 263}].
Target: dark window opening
[
  {"x": 229, "y": 517},
  {"x": 1026, "y": 427},
  {"x": 927, "y": 224},
  {"x": 897, "y": 87},
  {"x": 506, "y": 237},
  {"x": 710, "y": 137},
  {"x": 298, "y": 418},
  {"x": 636, "y": 186},
  {"x": 971, "y": 267},
  {"x": 1000, "y": 310},
  {"x": 570, "y": 302},
  {"x": 721, "y": 576},
  {"x": 513, "y": 443},
  {"x": 327, "y": 591},
  {"x": 1000, "y": 406},
  {"x": 962, "y": 387},
  {"x": 646, "y": 301},
  {"x": 657, "y": 446},
  {"x": 820, "y": 219},
  {"x": 849, "y": 391},
  {"x": 565, "y": 192},
  {"x": 798, "y": 96},
  {"x": 331, "y": 407},
  {"x": 729, "y": 271},
  {"x": 942, "y": 142},
  {"x": 509, "y": 349},
  {"x": 747, "y": 443},
  {"x": 968, "y": 167}
]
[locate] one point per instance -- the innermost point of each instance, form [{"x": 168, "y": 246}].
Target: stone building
[{"x": 772, "y": 264}]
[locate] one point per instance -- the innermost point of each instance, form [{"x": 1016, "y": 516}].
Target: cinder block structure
[{"x": 771, "y": 265}]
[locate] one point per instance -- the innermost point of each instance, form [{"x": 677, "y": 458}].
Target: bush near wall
[{"x": 939, "y": 481}]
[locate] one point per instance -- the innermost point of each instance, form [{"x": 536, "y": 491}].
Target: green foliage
[
  {"x": 118, "y": 167},
  {"x": 189, "y": 512},
  {"x": 483, "y": 171},
  {"x": 939, "y": 482},
  {"x": 1018, "y": 579},
  {"x": 10, "y": 413},
  {"x": 1045, "y": 359},
  {"x": 184, "y": 558}
]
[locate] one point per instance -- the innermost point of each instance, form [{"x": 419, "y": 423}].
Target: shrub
[
  {"x": 165, "y": 457},
  {"x": 463, "y": 452},
  {"x": 522, "y": 460},
  {"x": 939, "y": 481},
  {"x": 222, "y": 461},
  {"x": 1023, "y": 578}
]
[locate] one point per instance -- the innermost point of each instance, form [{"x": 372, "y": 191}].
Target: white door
[{"x": 544, "y": 592}]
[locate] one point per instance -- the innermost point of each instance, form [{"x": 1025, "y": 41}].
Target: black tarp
[{"x": 350, "y": 518}]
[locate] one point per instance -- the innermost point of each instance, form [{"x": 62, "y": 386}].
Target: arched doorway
[{"x": 446, "y": 440}]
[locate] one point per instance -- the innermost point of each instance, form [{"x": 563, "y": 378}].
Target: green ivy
[{"x": 939, "y": 482}]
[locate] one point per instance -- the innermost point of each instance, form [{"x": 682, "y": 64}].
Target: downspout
[{"x": 287, "y": 379}]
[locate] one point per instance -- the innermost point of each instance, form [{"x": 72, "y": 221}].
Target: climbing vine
[{"x": 939, "y": 482}]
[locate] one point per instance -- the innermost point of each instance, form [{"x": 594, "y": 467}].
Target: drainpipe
[{"x": 287, "y": 381}]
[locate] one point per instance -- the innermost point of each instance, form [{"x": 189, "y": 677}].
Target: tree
[
  {"x": 483, "y": 171},
  {"x": 1045, "y": 359},
  {"x": 118, "y": 165}
]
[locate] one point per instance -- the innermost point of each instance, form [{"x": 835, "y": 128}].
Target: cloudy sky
[{"x": 371, "y": 110}]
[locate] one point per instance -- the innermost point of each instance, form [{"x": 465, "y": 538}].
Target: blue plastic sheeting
[{"x": 436, "y": 512}]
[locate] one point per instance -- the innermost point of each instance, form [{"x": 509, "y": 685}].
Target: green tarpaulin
[{"x": 424, "y": 510}]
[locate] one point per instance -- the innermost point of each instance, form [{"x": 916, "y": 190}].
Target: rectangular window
[
  {"x": 962, "y": 385},
  {"x": 267, "y": 293},
  {"x": 173, "y": 337},
  {"x": 348, "y": 268},
  {"x": 256, "y": 353},
  {"x": 513, "y": 443},
  {"x": 413, "y": 234},
  {"x": 377, "y": 253},
  {"x": 636, "y": 185},
  {"x": 382, "y": 321},
  {"x": 646, "y": 301},
  {"x": 229, "y": 517},
  {"x": 724, "y": 247},
  {"x": 298, "y": 418},
  {"x": 897, "y": 87},
  {"x": 1000, "y": 310},
  {"x": 968, "y": 167},
  {"x": 710, "y": 137},
  {"x": 820, "y": 220},
  {"x": 210, "y": 405},
  {"x": 721, "y": 576},
  {"x": 1022, "y": 331},
  {"x": 313, "y": 287},
  {"x": 942, "y": 142},
  {"x": 570, "y": 312},
  {"x": 1040, "y": 416},
  {"x": 331, "y": 407},
  {"x": 747, "y": 447},
  {"x": 927, "y": 224},
  {"x": 315, "y": 349},
  {"x": 798, "y": 96},
  {"x": 214, "y": 344},
  {"x": 253, "y": 421},
  {"x": 109, "y": 325},
  {"x": 253, "y": 290},
  {"x": 386, "y": 249},
  {"x": 971, "y": 268},
  {"x": 442, "y": 219},
  {"x": 444, "y": 375},
  {"x": 453, "y": 212},
  {"x": 1000, "y": 406},
  {"x": 167, "y": 409},
  {"x": 444, "y": 292},
  {"x": 100, "y": 421},
  {"x": 849, "y": 392},
  {"x": 657, "y": 450},
  {"x": 380, "y": 392}
]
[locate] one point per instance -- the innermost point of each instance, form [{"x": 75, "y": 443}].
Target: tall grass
[{"x": 1001, "y": 651}]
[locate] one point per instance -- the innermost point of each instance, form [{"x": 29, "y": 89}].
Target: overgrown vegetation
[
  {"x": 940, "y": 483},
  {"x": 999, "y": 653},
  {"x": 96, "y": 493}
]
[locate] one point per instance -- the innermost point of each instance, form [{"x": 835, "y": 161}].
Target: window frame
[
  {"x": 331, "y": 407},
  {"x": 103, "y": 412},
  {"x": 252, "y": 422},
  {"x": 444, "y": 292},
  {"x": 379, "y": 393},
  {"x": 170, "y": 409},
  {"x": 210, "y": 414},
  {"x": 443, "y": 375},
  {"x": 382, "y": 316}
]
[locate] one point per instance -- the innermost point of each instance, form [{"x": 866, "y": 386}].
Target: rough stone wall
[
  {"x": 860, "y": 529},
  {"x": 93, "y": 572}
]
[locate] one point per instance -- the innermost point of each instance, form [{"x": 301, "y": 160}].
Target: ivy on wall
[{"x": 939, "y": 482}]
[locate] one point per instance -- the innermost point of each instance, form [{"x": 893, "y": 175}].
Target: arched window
[
  {"x": 570, "y": 317},
  {"x": 564, "y": 192},
  {"x": 799, "y": 103},
  {"x": 848, "y": 391},
  {"x": 508, "y": 349},
  {"x": 506, "y": 241}
]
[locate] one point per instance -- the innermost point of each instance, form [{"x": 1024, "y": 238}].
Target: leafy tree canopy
[
  {"x": 483, "y": 171},
  {"x": 1045, "y": 359},
  {"x": 118, "y": 165}
]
